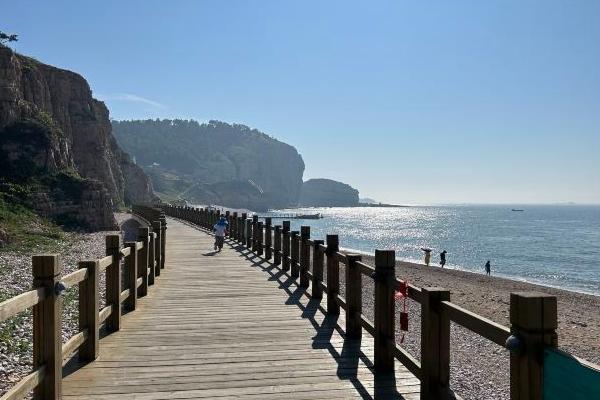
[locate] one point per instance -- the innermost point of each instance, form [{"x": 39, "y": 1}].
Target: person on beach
[
  {"x": 443, "y": 258},
  {"x": 220, "y": 230},
  {"x": 427, "y": 254},
  {"x": 488, "y": 268}
]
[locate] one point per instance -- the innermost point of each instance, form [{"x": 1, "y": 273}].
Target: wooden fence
[
  {"x": 142, "y": 259},
  {"x": 533, "y": 316}
]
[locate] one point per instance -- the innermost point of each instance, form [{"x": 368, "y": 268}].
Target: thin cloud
[{"x": 131, "y": 97}]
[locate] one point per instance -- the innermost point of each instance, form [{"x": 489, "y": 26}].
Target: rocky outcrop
[
  {"x": 204, "y": 162},
  {"x": 71, "y": 131},
  {"x": 327, "y": 193}
]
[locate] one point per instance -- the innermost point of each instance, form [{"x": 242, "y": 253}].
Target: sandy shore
[{"x": 479, "y": 368}]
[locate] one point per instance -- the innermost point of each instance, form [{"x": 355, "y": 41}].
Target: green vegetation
[
  {"x": 14, "y": 343},
  {"x": 25, "y": 229},
  {"x": 8, "y": 37},
  {"x": 204, "y": 162},
  {"x": 167, "y": 186}
]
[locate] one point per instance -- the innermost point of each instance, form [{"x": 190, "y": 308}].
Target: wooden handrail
[
  {"x": 46, "y": 377},
  {"x": 104, "y": 262},
  {"x": 20, "y": 303},
  {"x": 476, "y": 323},
  {"x": 365, "y": 269},
  {"x": 125, "y": 295},
  {"x": 75, "y": 277},
  {"x": 410, "y": 362},
  {"x": 436, "y": 308},
  {"x": 341, "y": 257},
  {"x": 74, "y": 343},
  {"x": 26, "y": 385},
  {"x": 104, "y": 313}
]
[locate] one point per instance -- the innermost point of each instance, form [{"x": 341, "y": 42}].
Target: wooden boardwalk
[{"x": 230, "y": 325}]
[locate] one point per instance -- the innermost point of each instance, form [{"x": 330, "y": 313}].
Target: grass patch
[{"x": 27, "y": 232}]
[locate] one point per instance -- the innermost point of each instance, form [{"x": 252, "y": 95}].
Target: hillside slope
[
  {"x": 227, "y": 164},
  {"x": 327, "y": 193}
]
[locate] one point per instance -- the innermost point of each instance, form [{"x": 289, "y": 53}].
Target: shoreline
[
  {"x": 450, "y": 267},
  {"x": 473, "y": 356},
  {"x": 489, "y": 296}
]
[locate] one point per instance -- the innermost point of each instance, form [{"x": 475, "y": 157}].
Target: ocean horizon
[{"x": 555, "y": 245}]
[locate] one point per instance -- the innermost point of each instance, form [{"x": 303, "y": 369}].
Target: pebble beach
[
  {"x": 479, "y": 368},
  {"x": 15, "y": 278}
]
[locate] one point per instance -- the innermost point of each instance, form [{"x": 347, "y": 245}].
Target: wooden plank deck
[{"x": 230, "y": 325}]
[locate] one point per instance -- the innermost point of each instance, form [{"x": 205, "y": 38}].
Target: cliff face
[
  {"x": 327, "y": 193},
  {"x": 52, "y": 113},
  {"x": 220, "y": 163}
]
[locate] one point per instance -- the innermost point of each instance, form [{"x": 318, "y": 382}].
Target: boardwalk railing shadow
[{"x": 351, "y": 355}]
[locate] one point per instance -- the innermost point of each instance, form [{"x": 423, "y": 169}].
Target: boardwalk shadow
[{"x": 327, "y": 328}]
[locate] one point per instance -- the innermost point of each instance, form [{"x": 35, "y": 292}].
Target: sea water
[{"x": 557, "y": 246}]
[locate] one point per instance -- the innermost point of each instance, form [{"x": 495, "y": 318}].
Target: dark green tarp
[{"x": 566, "y": 377}]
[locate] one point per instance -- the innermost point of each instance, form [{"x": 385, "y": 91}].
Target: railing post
[
  {"x": 47, "y": 343},
  {"x": 156, "y": 226},
  {"x": 163, "y": 240},
  {"x": 533, "y": 319},
  {"x": 151, "y": 257},
  {"x": 113, "y": 282},
  {"x": 385, "y": 265},
  {"x": 259, "y": 238},
  {"x": 255, "y": 233},
  {"x": 143, "y": 261},
  {"x": 131, "y": 272},
  {"x": 318, "y": 258},
  {"x": 249, "y": 234},
  {"x": 228, "y": 218},
  {"x": 333, "y": 275},
  {"x": 277, "y": 245},
  {"x": 89, "y": 305},
  {"x": 435, "y": 345},
  {"x": 295, "y": 253},
  {"x": 268, "y": 239},
  {"x": 353, "y": 296},
  {"x": 285, "y": 257},
  {"x": 242, "y": 230},
  {"x": 233, "y": 226},
  {"x": 304, "y": 255}
]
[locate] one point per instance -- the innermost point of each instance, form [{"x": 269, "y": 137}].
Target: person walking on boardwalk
[
  {"x": 427, "y": 254},
  {"x": 488, "y": 268},
  {"x": 220, "y": 230},
  {"x": 443, "y": 258}
]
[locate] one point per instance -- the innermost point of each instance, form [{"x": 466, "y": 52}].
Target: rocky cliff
[
  {"x": 52, "y": 128},
  {"x": 327, "y": 193},
  {"x": 227, "y": 164}
]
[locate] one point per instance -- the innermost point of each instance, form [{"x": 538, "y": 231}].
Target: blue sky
[{"x": 409, "y": 102}]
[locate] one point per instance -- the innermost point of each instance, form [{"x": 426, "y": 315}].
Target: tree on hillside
[{"x": 7, "y": 37}]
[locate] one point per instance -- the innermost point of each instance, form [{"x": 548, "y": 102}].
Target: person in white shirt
[{"x": 220, "y": 230}]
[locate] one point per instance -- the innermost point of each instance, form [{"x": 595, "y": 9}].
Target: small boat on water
[
  {"x": 517, "y": 209},
  {"x": 309, "y": 216},
  {"x": 293, "y": 216}
]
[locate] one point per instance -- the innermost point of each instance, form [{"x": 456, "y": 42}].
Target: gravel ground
[
  {"x": 479, "y": 369},
  {"x": 15, "y": 278}
]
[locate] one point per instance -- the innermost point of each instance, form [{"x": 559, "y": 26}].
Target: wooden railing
[
  {"x": 533, "y": 316},
  {"x": 143, "y": 260}
]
